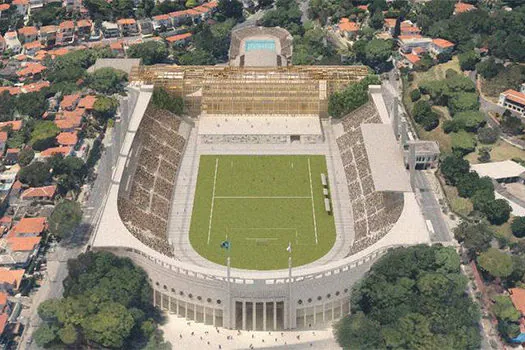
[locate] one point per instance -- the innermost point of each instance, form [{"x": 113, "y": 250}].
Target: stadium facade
[{"x": 148, "y": 207}]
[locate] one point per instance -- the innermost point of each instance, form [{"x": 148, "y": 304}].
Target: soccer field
[{"x": 260, "y": 204}]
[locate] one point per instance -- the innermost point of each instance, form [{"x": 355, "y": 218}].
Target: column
[
  {"x": 214, "y": 317},
  {"x": 304, "y": 316},
  {"x": 333, "y": 307},
  {"x": 169, "y": 303},
  {"x": 315, "y": 315},
  {"x": 274, "y": 315},
  {"x": 204, "y": 314},
  {"x": 254, "y": 304},
  {"x": 286, "y": 316},
  {"x": 324, "y": 320},
  {"x": 341, "y": 301},
  {"x": 195, "y": 312},
  {"x": 186, "y": 310},
  {"x": 177, "y": 303},
  {"x": 154, "y": 297},
  {"x": 412, "y": 164},
  {"x": 264, "y": 316},
  {"x": 244, "y": 315}
]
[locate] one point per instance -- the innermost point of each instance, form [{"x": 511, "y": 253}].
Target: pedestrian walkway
[{"x": 189, "y": 335}]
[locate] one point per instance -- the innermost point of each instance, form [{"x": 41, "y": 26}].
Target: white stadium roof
[
  {"x": 385, "y": 158},
  {"x": 499, "y": 170}
]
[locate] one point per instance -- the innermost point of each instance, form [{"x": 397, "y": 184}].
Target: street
[{"x": 68, "y": 249}]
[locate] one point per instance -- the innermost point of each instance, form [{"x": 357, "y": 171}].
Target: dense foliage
[
  {"x": 474, "y": 237},
  {"x": 164, "y": 100},
  {"x": 413, "y": 298},
  {"x": 35, "y": 174},
  {"x": 151, "y": 52},
  {"x": 351, "y": 98},
  {"x": 106, "y": 303},
  {"x": 65, "y": 218},
  {"x": 518, "y": 226}
]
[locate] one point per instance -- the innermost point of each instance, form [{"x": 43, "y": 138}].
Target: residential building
[
  {"x": 7, "y": 179},
  {"x": 30, "y": 227},
  {"x": 409, "y": 42},
  {"x": 53, "y": 151},
  {"x": 3, "y": 46},
  {"x": 145, "y": 26},
  {"x": 45, "y": 193},
  {"x": 87, "y": 102},
  {"x": 347, "y": 28},
  {"x": 440, "y": 46},
  {"x": 12, "y": 43},
  {"x": 517, "y": 295},
  {"x": 10, "y": 280},
  {"x": 117, "y": 48},
  {"x": 11, "y": 156},
  {"x": 462, "y": 7},
  {"x": 18, "y": 251},
  {"x": 72, "y": 5},
  {"x": 14, "y": 125},
  {"x": 27, "y": 34},
  {"x": 30, "y": 70},
  {"x": 69, "y": 102},
  {"x": 3, "y": 9},
  {"x": 411, "y": 60},
  {"x": 48, "y": 35},
  {"x": 35, "y": 5},
  {"x": 84, "y": 28},
  {"x": 66, "y": 33},
  {"x": 67, "y": 138},
  {"x": 30, "y": 49},
  {"x": 110, "y": 30},
  {"x": 513, "y": 100},
  {"x": 179, "y": 18},
  {"x": 128, "y": 27},
  {"x": 161, "y": 21},
  {"x": 179, "y": 39},
  {"x": 22, "y": 6},
  {"x": 408, "y": 28},
  {"x": 3, "y": 142}
]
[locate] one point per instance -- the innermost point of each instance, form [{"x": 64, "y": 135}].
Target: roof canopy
[{"x": 499, "y": 170}]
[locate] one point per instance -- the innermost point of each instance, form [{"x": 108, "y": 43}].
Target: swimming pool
[{"x": 251, "y": 45}]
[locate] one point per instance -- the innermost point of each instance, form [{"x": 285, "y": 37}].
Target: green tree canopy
[
  {"x": 106, "y": 80},
  {"x": 475, "y": 238},
  {"x": 35, "y": 174},
  {"x": 151, "y": 52},
  {"x": 25, "y": 156},
  {"x": 352, "y": 97},
  {"x": 453, "y": 167},
  {"x": 105, "y": 107},
  {"x": 162, "y": 99},
  {"x": 65, "y": 218},
  {"x": 463, "y": 142},
  {"x": 518, "y": 226},
  {"x": 43, "y": 135},
  {"x": 496, "y": 263}
]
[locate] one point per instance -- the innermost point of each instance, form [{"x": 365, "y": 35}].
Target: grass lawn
[
  {"x": 504, "y": 231},
  {"x": 462, "y": 206},
  {"x": 260, "y": 204},
  {"x": 501, "y": 150}
]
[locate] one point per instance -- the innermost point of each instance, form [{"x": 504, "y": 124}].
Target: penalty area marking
[
  {"x": 213, "y": 198},
  {"x": 262, "y": 197},
  {"x": 312, "y": 197}
]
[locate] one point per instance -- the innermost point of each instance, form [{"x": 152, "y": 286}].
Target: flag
[
  {"x": 225, "y": 245},
  {"x": 289, "y": 248}
]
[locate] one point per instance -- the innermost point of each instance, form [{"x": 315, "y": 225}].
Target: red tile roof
[
  {"x": 63, "y": 150},
  {"x": 116, "y": 46},
  {"x": 515, "y": 96},
  {"x": 68, "y": 101},
  {"x": 31, "y": 69},
  {"x": 14, "y": 124},
  {"x": 442, "y": 43},
  {"x": 161, "y": 17},
  {"x": 390, "y": 22},
  {"x": 20, "y": 2},
  {"x": 30, "y": 225},
  {"x": 22, "y": 244},
  {"x": 87, "y": 102},
  {"x": 461, "y": 7},
  {"x": 67, "y": 25},
  {"x": 84, "y": 23},
  {"x": 12, "y": 277},
  {"x": 48, "y": 29},
  {"x": 67, "y": 138},
  {"x": 4, "y": 317},
  {"x": 4, "y": 7},
  {"x": 126, "y": 21},
  {"x": 28, "y": 31},
  {"x": 33, "y": 87},
  {"x": 363, "y": 7},
  {"x": 517, "y": 295},
  {"x": 175, "y": 38},
  {"x": 3, "y": 136},
  {"x": 348, "y": 26},
  {"x": 33, "y": 45},
  {"x": 3, "y": 300},
  {"x": 45, "y": 191},
  {"x": 412, "y": 58}
]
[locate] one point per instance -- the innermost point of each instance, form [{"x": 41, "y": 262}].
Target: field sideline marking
[
  {"x": 213, "y": 197},
  {"x": 263, "y": 197},
  {"x": 312, "y": 197}
]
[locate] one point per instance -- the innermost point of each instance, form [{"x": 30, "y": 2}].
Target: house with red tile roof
[
  {"x": 87, "y": 102},
  {"x": 513, "y": 100},
  {"x": 4, "y": 8},
  {"x": 23, "y": 244},
  {"x": 117, "y": 48},
  {"x": 161, "y": 21},
  {"x": 66, "y": 33},
  {"x": 31, "y": 69},
  {"x": 10, "y": 280},
  {"x": 27, "y": 34},
  {"x": 46, "y": 193},
  {"x": 30, "y": 227},
  {"x": 128, "y": 27},
  {"x": 3, "y": 141},
  {"x": 411, "y": 60},
  {"x": 69, "y": 102},
  {"x": 440, "y": 46},
  {"x": 11, "y": 42},
  {"x": 22, "y": 6},
  {"x": 462, "y": 7},
  {"x": 14, "y": 125},
  {"x": 348, "y": 28},
  {"x": 48, "y": 35},
  {"x": 53, "y": 151},
  {"x": 67, "y": 138},
  {"x": 179, "y": 39},
  {"x": 32, "y": 48},
  {"x": 84, "y": 28}
]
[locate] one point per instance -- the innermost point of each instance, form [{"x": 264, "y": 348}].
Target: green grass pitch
[{"x": 260, "y": 204}]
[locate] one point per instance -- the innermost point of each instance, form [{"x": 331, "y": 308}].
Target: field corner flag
[
  {"x": 289, "y": 248},
  {"x": 226, "y": 245}
]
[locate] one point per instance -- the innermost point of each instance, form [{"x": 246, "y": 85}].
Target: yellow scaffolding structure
[{"x": 291, "y": 90}]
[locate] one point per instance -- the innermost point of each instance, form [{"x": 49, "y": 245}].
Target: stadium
[{"x": 255, "y": 210}]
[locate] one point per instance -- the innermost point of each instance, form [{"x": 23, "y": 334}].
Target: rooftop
[
  {"x": 67, "y": 138},
  {"x": 515, "y": 96},
  {"x": 442, "y": 43},
  {"x": 517, "y": 295},
  {"x": 45, "y": 191},
  {"x": 499, "y": 170},
  {"x": 30, "y": 225},
  {"x": 13, "y": 277}
]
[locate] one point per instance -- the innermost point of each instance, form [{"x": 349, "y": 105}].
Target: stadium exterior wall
[{"x": 303, "y": 301}]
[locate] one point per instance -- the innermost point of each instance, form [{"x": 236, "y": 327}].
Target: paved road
[{"x": 57, "y": 261}]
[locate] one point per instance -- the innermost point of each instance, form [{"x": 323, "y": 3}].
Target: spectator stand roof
[{"x": 499, "y": 170}]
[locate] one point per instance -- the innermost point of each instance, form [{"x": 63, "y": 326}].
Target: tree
[
  {"x": 453, "y": 167},
  {"x": 105, "y": 107},
  {"x": 504, "y": 310},
  {"x": 489, "y": 68},
  {"x": 48, "y": 309},
  {"x": 475, "y": 238},
  {"x": 511, "y": 124},
  {"x": 45, "y": 334},
  {"x": 35, "y": 174},
  {"x": 497, "y": 263},
  {"x": 65, "y": 218},
  {"x": 358, "y": 332},
  {"x": 25, "y": 156},
  {"x": 106, "y": 80},
  {"x": 463, "y": 101},
  {"x": 518, "y": 226},
  {"x": 462, "y": 142},
  {"x": 156, "y": 342},
  {"x": 377, "y": 20},
  {"x": 424, "y": 115},
  {"x": 151, "y": 52},
  {"x": 68, "y": 335},
  {"x": 164, "y": 100},
  {"x": 230, "y": 9},
  {"x": 43, "y": 135},
  {"x": 33, "y": 104},
  {"x": 352, "y": 97},
  {"x": 497, "y": 212},
  {"x": 468, "y": 184},
  {"x": 415, "y": 95},
  {"x": 7, "y": 104},
  {"x": 468, "y": 60},
  {"x": 471, "y": 120},
  {"x": 397, "y": 27},
  {"x": 377, "y": 53},
  {"x": 484, "y": 155},
  {"x": 110, "y": 326},
  {"x": 488, "y": 135}
]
